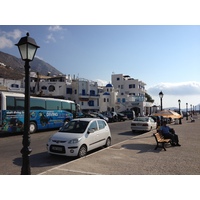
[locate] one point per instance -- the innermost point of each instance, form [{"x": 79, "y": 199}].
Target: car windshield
[
  {"x": 141, "y": 119},
  {"x": 74, "y": 127}
]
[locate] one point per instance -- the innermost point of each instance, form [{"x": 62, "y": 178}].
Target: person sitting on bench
[{"x": 169, "y": 133}]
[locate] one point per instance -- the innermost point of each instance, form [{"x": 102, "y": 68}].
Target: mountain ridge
[{"x": 12, "y": 67}]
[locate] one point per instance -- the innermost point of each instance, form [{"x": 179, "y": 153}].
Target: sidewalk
[{"x": 137, "y": 156}]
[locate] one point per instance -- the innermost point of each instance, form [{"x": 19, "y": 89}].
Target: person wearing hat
[{"x": 169, "y": 133}]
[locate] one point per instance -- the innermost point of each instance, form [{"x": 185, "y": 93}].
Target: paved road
[
  {"x": 40, "y": 160},
  {"x": 136, "y": 156}
]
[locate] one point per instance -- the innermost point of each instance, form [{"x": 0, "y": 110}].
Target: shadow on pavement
[
  {"x": 44, "y": 159},
  {"x": 143, "y": 148}
]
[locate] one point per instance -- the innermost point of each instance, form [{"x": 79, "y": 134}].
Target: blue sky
[{"x": 165, "y": 57}]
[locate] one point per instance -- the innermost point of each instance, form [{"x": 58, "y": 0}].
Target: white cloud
[
  {"x": 183, "y": 88},
  {"x": 55, "y": 28},
  {"x": 14, "y": 34},
  {"x": 187, "y": 92},
  {"x": 101, "y": 82},
  {"x": 50, "y": 38},
  {"x": 7, "y": 37},
  {"x": 5, "y": 43}
]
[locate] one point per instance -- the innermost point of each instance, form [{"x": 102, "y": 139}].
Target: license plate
[{"x": 57, "y": 148}]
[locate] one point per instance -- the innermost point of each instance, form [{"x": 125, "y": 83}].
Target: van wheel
[
  {"x": 82, "y": 151},
  {"x": 108, "y": 142},
  {"x": 33, "y": 127}
]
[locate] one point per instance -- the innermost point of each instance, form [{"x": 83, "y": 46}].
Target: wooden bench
[{"x": 161, "y": 141}]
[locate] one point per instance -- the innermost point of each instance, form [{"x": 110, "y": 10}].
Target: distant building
[
  {"x": 85, "y": 93},
  {"x": 47, "y": 86},
  {"x": 131, "y": 94},
  {"x": 11, "y": 85},
  {"x": 107, "y": 98},
  {"x": 124, "y": 93}
]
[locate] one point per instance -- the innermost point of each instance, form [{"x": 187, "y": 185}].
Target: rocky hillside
[{"x": 12, "y": 67}]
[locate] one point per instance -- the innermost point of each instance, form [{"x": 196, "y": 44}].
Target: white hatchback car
[
  {"x": 80, "y": 136},
  {"x": 143, "y": 124}
]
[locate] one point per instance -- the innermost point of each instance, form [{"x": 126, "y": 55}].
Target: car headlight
[{"x": 74, "y": 141}]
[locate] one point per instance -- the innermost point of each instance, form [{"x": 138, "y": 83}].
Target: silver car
[
  {"x": 143, "y": 124},
  {"x": 80, "y": 136}
]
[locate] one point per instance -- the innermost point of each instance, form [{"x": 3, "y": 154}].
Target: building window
[
  {"x": 123, "y": 100},
  {"x": 122, "y": 93},
  {"x": 15, "y": 85},
  {"x": 118, "y": 78},
  {"x": 69, "y": 91},
  {"x": 92, "y": 92},
  {"x": 91, "y": 103},
  {"x": 118, "y": 100},
  {"x": 122, "y": 87},
  {"x": 104, "y": 100},
  {"x": 132, "y": 86},
  {"x": 44, "y": 88},
  {"x": 107, "y": 100},
  {"x": 83, "y": 92}
]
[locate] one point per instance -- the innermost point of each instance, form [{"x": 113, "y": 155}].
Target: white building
[
  {"x": 79, "y": 90},
  {"x": 131, "y": 94},
  {"x": 107, "y": 98},
  {"x": 48, "y": 86},
  {"x": 125, "y": 93},
  {"x": 11, "y": 85},
  {"x": 85, "y": 93}
]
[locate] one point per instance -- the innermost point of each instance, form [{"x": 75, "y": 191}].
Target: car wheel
[
  {"x": 82, "y": 151},
  {"x": 33, "y": 127},
  {"x": 108, "y": 142}
]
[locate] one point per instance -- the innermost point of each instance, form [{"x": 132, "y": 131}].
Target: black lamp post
[
  {"x": 186, "y": 111},
  {"x": 161, "y": 96},
  {"x": 27, "y": 48},
  {"x": 179, "y": 103}
]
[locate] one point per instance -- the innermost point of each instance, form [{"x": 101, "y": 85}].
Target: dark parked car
[
  {"x": 129, "y": 113},
  {"x": 121, "y": 117},
  {"x": 100, "y": 116},
  {"x": 112, "y": 116}
]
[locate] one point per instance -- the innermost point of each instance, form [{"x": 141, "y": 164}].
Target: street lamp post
[
  {"x": 161, "y": 96},
  {"x": 27, "y": 48},
  {"x": 179, "y": 103},
  {"x": 186, "y": 111}
]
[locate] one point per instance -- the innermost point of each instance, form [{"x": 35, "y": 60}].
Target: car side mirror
[{"x": 91, "y": 130}]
